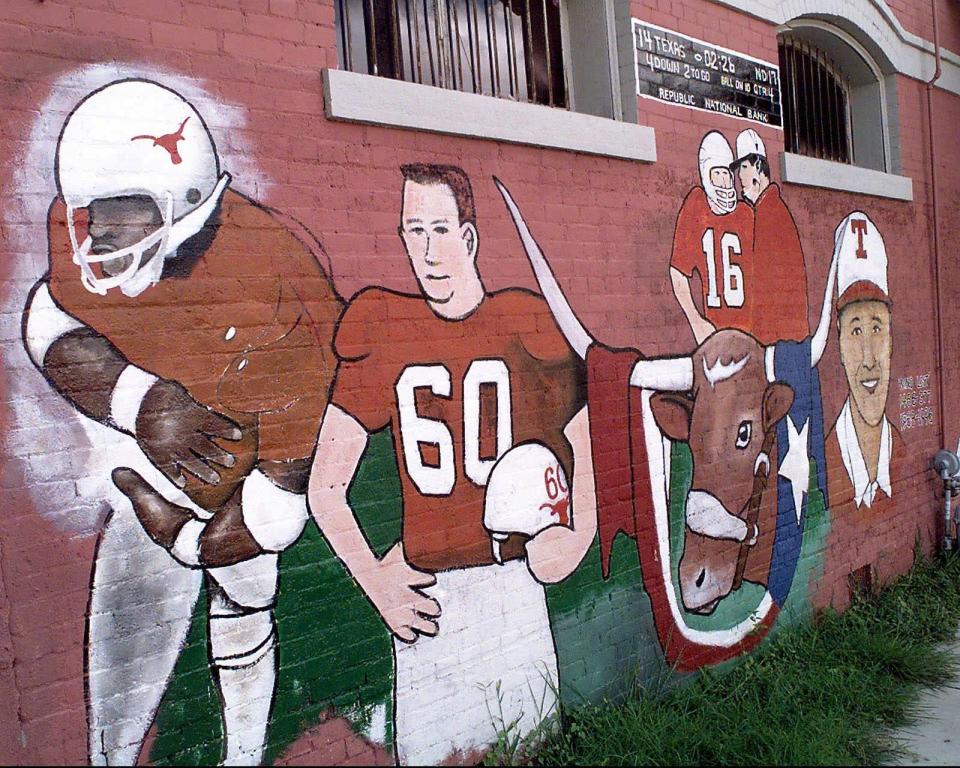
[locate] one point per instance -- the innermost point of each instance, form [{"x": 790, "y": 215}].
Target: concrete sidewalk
[{"x": 935, "y": 740}]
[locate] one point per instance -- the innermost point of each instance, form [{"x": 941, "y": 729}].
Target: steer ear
[
  {"x": 672, "y": 412},
  {"x": 777, "y": 400}
]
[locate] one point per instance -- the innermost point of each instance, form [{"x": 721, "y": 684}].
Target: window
[
  {"x": 545, "y": 73},
  {"x": 815, "y": 102},
  {"x": 506, "y": 48},
  {"x": 835, "y": 97}
]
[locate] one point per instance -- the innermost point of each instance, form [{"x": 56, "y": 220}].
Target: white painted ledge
[
  {"x": 813, "y": 172},
  {"x": 361, "y": 98}
]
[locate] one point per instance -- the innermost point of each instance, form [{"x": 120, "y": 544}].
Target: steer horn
[
  {"x": 666, "y": 374},
  {"x": 819, "y": 343},
  {"x": 572, "y": 329}
]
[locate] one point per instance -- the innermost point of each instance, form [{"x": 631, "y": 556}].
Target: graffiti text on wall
[{"x": 916, "y": 402}]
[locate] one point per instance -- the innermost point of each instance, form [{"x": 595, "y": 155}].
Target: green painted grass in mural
[
  {"x": 335, "y": 653},
  {"x": 820, "y": 693}
]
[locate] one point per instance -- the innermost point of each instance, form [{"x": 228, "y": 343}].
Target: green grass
[{"x": 822, "y": 693}]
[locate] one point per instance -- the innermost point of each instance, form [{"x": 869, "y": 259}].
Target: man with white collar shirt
[{"x": 863, "y": 447}]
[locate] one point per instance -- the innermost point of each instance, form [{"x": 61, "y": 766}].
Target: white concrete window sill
[
  {"x": 362, "y": 98},
  {"x": 813, "y": 172}
]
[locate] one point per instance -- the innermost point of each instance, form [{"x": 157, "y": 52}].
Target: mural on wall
[
  {"x": 466, "y": 454},
  {"x": 730, "y": 399},
  {"x": 172, "y": 307},
  {"x": 743, "y": 247},
  {"x": 863, "y": 448},
  {"x": 865, "y": 451},
  {"x": 466, "y": 382}
]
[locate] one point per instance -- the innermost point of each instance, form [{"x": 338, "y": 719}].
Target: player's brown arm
[{"x": 92, "y": 374}]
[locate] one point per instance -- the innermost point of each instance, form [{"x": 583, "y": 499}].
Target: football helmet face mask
[
  {"x": 715, "y": 153},
  {"x": 136, "y": 137},
  {"x": 527, "y": 491}
]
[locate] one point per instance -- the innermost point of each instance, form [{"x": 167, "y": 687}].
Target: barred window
[
  {"x": 815, "y": 102},
  {"x": 505, "y": 48},
  {"x": 836, "y": 98}
]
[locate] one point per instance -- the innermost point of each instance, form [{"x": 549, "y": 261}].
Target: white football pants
[{"x": 491, "y": 668}]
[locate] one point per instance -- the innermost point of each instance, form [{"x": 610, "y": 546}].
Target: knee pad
[
  {"x": 251, "y": 584},
  {"x": 239, "y": 638}
]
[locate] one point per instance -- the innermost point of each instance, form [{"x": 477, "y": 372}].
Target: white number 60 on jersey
[{"x": 415, "y": 429}]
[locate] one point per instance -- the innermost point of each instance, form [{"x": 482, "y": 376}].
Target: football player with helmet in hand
[{"x": 181, "y": 317}]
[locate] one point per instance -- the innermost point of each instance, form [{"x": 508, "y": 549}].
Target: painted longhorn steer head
[
  {"x": 728, "y": 418},
  {"x": 725, "y": 401}
]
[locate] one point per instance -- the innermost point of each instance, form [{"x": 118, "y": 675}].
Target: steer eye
[{"x": 744, "y": 432}]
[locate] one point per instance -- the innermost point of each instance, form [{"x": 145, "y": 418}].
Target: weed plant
[{"x": 823, "y": 692}]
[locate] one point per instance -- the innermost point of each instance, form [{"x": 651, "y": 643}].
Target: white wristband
[{"x": 128, "y": 393}]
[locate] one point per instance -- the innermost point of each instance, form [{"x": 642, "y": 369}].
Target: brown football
[{"x": 212, "y": 497}]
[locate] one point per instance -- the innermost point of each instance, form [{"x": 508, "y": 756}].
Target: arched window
[
  {"x": 834, "y": 97},
  {"x": 815, "y": 102}
]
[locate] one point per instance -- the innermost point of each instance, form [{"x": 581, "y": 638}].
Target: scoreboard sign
[{"x": 682, "y": 70}]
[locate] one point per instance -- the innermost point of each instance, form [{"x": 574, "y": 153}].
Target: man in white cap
[
  {"x": 779, "y": 284},
  {"x": 714, "y": 236},
  {"x": 864, "y": 449}
]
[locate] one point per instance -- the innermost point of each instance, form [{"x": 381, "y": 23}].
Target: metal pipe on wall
[{"x": 938, "y": 277}]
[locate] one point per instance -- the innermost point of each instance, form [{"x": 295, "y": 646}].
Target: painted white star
[{"x": 795, "y": 466}]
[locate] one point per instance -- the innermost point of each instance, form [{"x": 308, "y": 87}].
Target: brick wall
[{"x": 74, "y": 556}]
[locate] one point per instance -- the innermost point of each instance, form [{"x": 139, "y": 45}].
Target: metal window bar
[
  {"x": 816, "y": 113},
  {"x": 505, "y": 48}
]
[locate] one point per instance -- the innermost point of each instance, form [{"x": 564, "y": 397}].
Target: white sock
[{"x": 243, "y": 651}]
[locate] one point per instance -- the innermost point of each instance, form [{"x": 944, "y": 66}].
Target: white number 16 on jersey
[
  {"x": 733, "y": 289},
  {"x": 439, "y": 480}
]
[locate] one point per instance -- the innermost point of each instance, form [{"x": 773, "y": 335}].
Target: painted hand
[
  {"x": 554, "y": 553},
  {"x": 174, "y": 431},
  {"x": 394, "y": 588}
]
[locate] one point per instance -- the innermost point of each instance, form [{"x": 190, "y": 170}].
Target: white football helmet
[
  {"x": 527, "y": 491},
  {"x": 715, "y": 152},
  {"x": 137, "y": 137}
]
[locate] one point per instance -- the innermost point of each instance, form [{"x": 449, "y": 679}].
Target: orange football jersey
[
  {"x": 779, "y": 275},
  {"x": 247, "y": 330},
  {"x": 720, "y": 248},
  {"x": 457, "y": 395}
]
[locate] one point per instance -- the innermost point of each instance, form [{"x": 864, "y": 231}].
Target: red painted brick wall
[{"x": 606, "y": 226}]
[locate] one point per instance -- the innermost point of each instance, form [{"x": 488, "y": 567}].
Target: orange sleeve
[
  {"x": 687, "y": 254},
  {"x": 779, "y": 253},
  {"x": 364, "y": 382}
]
